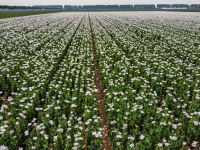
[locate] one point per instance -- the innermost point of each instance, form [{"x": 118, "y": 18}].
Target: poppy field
[{"x": 100, "y": 80}]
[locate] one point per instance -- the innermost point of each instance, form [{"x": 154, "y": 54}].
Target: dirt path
[
  {"x": 101, "y": 107},
  {"x": 5, "y": 99}
]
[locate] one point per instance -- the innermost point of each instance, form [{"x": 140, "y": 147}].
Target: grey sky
[{"x": 94, "y": 2}]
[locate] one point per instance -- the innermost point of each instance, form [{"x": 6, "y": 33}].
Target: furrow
[{"x": 105, "y": 132}]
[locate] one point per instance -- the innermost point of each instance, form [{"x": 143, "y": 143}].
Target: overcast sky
[{"x": 94, "y": 2}]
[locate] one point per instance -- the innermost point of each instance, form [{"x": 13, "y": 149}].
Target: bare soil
[
  {"x": 101, "y": 107},
  {"x": 5, "y": 98}
]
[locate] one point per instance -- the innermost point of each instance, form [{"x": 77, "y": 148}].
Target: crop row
[
  {"x": 151, "y": 88},
  {"x": 22, "y": 57},
  {"x": 19, "y": 110},
  {"x": 83, "y": 81}
]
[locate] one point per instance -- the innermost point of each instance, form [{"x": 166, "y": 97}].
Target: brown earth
[
  {"x": 101, "y": 107},
  {"x": 5, "y": 98}
]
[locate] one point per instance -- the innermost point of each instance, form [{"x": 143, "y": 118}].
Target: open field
[
  {"x": 100, "y": 80},
  {"x": 11, "y": 14}
]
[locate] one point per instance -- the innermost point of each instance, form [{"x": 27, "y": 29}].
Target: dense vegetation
[{"x": 149, "y": 67}]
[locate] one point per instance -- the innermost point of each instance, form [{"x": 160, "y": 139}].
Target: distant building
[
  {"x": 149, "y": 6},
  {"x": 180, "y": 6},
  {"x": 70, "y": 7},
  {"x": 101, "y": 7},
  {"x": 48, "y": 6},
  {"x": 195, "y": 6},
  {"x": 163, "y": 6},
  {"x": 112, "y": 6},
  {"x": 88, "y": 7},
  {"x": 79, "y": 7},
  {"x": 126, "y": 6}
]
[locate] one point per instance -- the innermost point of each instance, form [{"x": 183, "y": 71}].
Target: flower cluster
[{"x": 150, "y": 72}]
